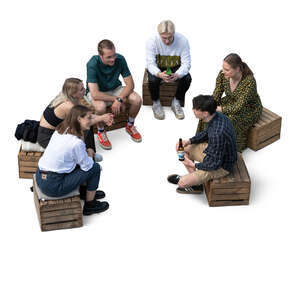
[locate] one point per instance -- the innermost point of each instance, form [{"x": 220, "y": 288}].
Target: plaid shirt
[{"x": 221, "y": 151}]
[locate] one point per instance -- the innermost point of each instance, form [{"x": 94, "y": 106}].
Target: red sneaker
[
  {"x": 135, "y": 135},
  {"x": 103, "y": 140}
]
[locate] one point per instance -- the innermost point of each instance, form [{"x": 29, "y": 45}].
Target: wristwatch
[{"x": 119, "y": 100}]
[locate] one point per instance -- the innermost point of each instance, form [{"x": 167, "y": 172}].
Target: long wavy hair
[
  {"x": 69, "y": 88},
  {"x": 235, "y": 61},
  {"x": 71, "y": 124}
]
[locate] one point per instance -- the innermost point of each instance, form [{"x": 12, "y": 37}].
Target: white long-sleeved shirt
[
  {"x": 179, "y": 48},
  {"x": 63, "y": 153}
]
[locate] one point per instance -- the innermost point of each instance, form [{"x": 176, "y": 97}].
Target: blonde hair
[
  {"x": 69, "y": 88},
  {"x": 166, "y": 27}
]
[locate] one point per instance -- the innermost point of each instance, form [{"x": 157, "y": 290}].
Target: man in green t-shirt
[{"x": 105, "y": 89}]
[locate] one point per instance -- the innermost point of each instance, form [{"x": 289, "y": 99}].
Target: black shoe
[
  {"x": 94, "y": 207},
  {"x": 82, "y": 190},
  {"x": 195, "y": 189},
  {"x": 174, "y": 178}
]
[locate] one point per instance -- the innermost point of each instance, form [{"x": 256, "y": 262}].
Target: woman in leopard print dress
[{"x": 241, "y": 103}]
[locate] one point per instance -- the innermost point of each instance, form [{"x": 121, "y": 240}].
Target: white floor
[{"x": 153, "y": 243}]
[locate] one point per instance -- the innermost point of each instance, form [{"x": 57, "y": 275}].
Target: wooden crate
[
  {"x": 266, "y": 131},
  {"x": 167, "y": 92},
  {"x": 119, "y": 122},
  {"x": 58, "y": 214},
  {"x": 28, "y": 162},
  {"x": 233, "y": 189}
]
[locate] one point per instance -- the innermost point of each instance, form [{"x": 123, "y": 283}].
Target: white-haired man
[{"x": 168, "y": 49}]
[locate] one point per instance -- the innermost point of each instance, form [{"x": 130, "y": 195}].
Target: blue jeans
[{"x": 56, "y": 185}]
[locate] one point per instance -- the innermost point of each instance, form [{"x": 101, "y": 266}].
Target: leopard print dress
[{"x": 242, "y": 106}]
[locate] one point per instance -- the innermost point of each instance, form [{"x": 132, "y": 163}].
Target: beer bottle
[
  {"x": 169, "y": 72},
  {"x": 180, "y": 151}
]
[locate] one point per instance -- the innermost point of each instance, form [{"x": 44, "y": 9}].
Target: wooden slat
[
  {"x": 60, "y": 206},
  {"x": 233, "y": 189},
  {"x": 60, "y": 219},
  {"x": 229, "y": 197},
  {"x": 239, "y": 190},
  {"x": 268, "y": 142},
  {"x": 66, "y": 225},
  {"x": 269, "y": 133},
  {"x": 28, "y": 163},
  {"x": 266, "y": 130},
  {"x": 62, "y": 212},
  {"x": 27, "y": 169},
  {"x": 227, "y": 203},
  {"x": 24, "y": 175}
]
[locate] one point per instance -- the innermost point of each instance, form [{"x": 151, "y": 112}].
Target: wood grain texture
[
  {"x": 266, "y": 131},
  {"x": 58, "y": 214},
  {"x": 233, "y": 189}
]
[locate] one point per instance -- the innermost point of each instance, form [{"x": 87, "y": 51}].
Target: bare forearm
[
  {"x": 128, "y": 89},
  {"x": 100, "y": 96}
]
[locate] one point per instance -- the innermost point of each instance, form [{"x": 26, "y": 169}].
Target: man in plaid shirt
[{"x": 214, "y": 149}]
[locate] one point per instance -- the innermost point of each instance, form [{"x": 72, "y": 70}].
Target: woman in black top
[{"x": 73, "y": 90}]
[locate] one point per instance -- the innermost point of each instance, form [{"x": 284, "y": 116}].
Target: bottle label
[{"x": 181, "y": 155}]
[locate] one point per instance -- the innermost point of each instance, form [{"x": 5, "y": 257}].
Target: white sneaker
[
  {"x": 158, "y": 110},
  {"x": 177, "y": 109}
]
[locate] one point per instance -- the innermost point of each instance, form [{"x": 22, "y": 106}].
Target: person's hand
[
  {"x": 116, "y": 107},
  {"x": 184, "y": 144},
  {"x": 164, "y": 76},
  {"x": 90, "y": 152},
  {"x": 219, "y": 108},
  {"x": 173, "y": 77},
  {"x": 188, "y": 163},
  {"x": 108, "y": 119}
]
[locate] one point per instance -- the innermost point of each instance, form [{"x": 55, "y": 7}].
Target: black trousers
[{"x": 183, "y": 85}]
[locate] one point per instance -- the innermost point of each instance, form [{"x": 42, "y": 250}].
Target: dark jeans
[
  {"x": 56, "y": 185},
  {"x": 183, "y": 85},
  {"x": 44, "y": 136}
]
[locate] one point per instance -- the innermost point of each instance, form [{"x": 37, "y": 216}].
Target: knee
[
  {"x": 187, "y": 78},
  {"x": 100, "y": 107},
  {"x": 135, "y": 99},
  {"x": 96, "y": 168}
]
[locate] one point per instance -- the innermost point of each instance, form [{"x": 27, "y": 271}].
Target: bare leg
[
  {"x": 100, "y": 109},
  {"x": 90, "y": 195},
  {"x": 135, "y": 102},
  {"x": 188, "y": 180}
]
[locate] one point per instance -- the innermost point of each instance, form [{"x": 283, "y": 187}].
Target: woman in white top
[{"x": 65, "y": 164}]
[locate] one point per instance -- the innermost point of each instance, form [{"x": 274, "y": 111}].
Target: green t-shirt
[{"x": 107, "y": 77}]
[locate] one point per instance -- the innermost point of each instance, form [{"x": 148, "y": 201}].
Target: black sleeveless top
[{"x": 50, "y": 116}]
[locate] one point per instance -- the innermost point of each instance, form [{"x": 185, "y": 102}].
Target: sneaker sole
[
  {"x": 104, "y": 147},
  {"x": 135, "y": 140},
  {"x": 88, "y": 213},
  {"x": 189, "y": 192},
  {"x": 158, "y": 117}
]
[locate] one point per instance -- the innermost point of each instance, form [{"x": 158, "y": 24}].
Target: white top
[
  {"x": 63, "y": 153},
  {"x": 179, "y": 47}
]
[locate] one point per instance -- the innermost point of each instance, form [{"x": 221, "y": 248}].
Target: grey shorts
[{"x": 116, "y": 92}]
